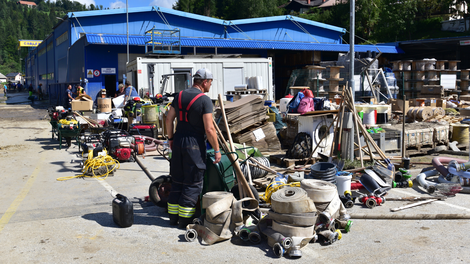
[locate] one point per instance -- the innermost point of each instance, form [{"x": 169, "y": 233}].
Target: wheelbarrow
[{"x": 68, "y": 132}]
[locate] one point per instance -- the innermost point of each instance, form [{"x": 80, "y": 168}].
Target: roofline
[
  {"x": 144, "y": 9},
  {"x": 433, "y": 40},
  {"x": 204, "y": 18},
  {"x": 287, "y": 17}
]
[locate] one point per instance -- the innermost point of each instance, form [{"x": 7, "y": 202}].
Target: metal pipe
[{"x": 437, "y": 163}]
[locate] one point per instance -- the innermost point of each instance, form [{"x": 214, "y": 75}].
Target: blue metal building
[{"x": 90, "y": 47}]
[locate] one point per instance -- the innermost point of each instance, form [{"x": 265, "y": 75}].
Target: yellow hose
[
  {"x": 92, "y": 164},
  {"x": 68, "y": 122},
  {"x": 277, "y": 185}
]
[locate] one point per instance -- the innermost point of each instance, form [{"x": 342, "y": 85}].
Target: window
[
  {"x": 59, "y": 40},
  {"x": 49, "y": 46},
  {"x": 181, "y": 80}
]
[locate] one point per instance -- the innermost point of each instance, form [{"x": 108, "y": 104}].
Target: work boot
[
  {"x": 174, "y": 219},
  {"x": 183, "y": 222}
]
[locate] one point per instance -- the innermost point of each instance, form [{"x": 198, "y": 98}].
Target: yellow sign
[{"x": 29, "y": 43}]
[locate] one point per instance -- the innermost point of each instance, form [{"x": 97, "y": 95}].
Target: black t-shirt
[{"x": 203, "y": 105}]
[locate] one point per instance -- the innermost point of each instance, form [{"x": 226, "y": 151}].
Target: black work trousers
[{"x": 187, "y": 168}]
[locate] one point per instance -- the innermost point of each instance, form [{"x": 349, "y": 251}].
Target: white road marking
[
  {"x": 108, "y": 187},
  {"x": 440, "y": 202}
]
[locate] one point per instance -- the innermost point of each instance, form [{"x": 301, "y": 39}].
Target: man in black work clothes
[
  {"x": 193, "y": 110},
  {"x": 69, "y": 97}
]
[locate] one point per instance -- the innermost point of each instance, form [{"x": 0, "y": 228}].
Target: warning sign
[
  {"x": 96, "y": 73},
  {"x": 89, "y": 73}
]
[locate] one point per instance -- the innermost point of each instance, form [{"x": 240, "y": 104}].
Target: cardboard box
[
  {"x": 78, "y": 105},
  {"x": 397, "y": 105},
  {"x": 441, "y": 103}
]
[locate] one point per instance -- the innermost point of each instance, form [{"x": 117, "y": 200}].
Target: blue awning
[{"x": 106, "y": 39}]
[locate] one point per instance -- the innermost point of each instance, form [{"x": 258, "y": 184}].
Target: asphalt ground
[{"x": 48, "y": 221}]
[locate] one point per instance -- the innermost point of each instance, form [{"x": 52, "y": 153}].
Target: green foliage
[
  {"x": 231, "y": 9},
  {"x": 20, "y": 22}
]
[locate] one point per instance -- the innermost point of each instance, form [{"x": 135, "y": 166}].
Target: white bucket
[
  {"x": 283, "y": 104},
  {"x": 343, "y": 183}
]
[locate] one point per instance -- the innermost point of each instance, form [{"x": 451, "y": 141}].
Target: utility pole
[
  {"x": 127, "y": 30},
  {"x": 350, "y": 154}
]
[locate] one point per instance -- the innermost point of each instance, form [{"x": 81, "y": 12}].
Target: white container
[
  {"x": 343, "y": 183},
  {"x": 283, "y": 104}
]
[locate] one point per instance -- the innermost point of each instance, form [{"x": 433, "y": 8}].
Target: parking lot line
[
  {"x": 441, "y": 202},
  {"x": 16, "y": 203}
]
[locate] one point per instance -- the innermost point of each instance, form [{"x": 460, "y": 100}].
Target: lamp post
[{"x": 127, "y": 30}]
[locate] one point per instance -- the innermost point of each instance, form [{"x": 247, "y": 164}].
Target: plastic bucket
[
  {"x": 325, "y": 171},
  {"x": 229, "y": 98},
  {"x": 283, "y": 104},
  {"x": 149, "y": 114},
  {"x": 343, "y": 183}
]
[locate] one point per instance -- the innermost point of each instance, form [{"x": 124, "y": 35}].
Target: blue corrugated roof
[
  {"x": 282, "y": 18},
  {"x": 241, "y": 44},
  {"x": 204, "y": 18}
]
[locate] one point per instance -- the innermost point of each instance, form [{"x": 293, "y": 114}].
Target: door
[{"x": 110, "y": 84}]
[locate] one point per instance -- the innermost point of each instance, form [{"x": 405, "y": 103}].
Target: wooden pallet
[
  {"x": 262, "y": 183},
  {"x": 448, "y": 118},
  {"x": 280, "y": 160}
]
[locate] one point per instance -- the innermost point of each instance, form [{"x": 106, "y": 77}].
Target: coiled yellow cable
[
  {"x": 93, "y": 164},
  {"x": 274, "y": 186}
]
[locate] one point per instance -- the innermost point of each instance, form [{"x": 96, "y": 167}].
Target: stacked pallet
[
  {"x": 247, "y": 120},
  {"x": 262, "y": 137},
  {"x": 244, "y": 113}
]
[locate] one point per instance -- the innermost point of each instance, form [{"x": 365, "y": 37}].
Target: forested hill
[{"x": 20, "y": 22}]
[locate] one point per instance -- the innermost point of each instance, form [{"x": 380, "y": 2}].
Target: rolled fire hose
[
  {"x": 223, "y": 214},
  {"x": 286, "y": 202},
  {"x": 325, "y": 196},
  {"x": 291, "y": 200}
]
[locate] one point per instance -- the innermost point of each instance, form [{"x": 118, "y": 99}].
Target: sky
[{"x": 132, "y": 3}]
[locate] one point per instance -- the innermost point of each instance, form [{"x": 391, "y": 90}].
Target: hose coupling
[
  {"x": 371, "y": 201},
  {"x": 190, "y": 235},
  {"x": 278, "y": 250},
  {"x": 348, "y": 200},
  {"x": 287, "y": 242},
  {"x": 329, "y": 237},
  {"x": 254, "y": 237},
  {"x": 245, "y": 232},
  {"x": 325, "y": 219},
  {"x": 343, "y": 224},
  {"x": 295, "y": 252},
  {"x": 198, "y": 221},
  {"x": 402, "y": 184}
]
